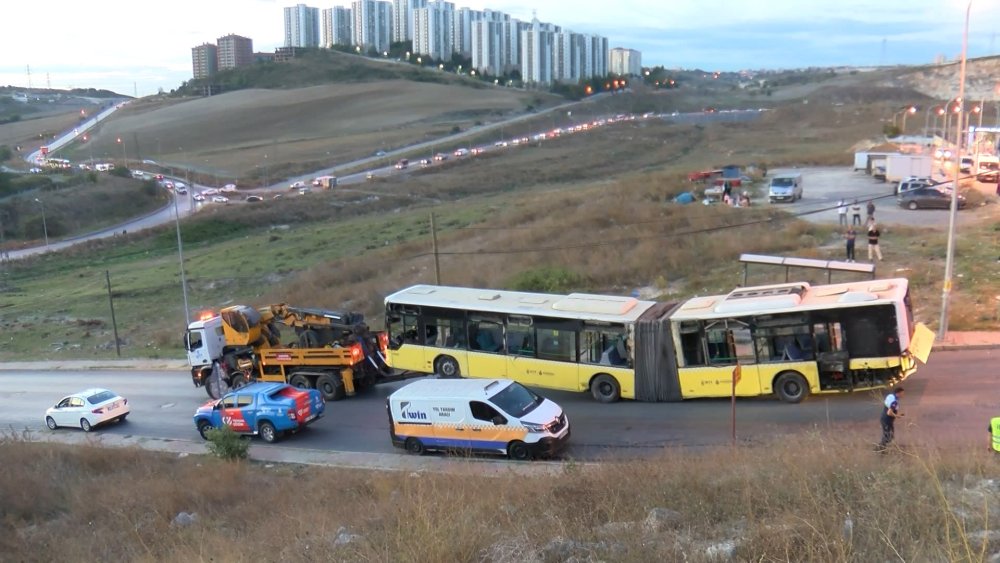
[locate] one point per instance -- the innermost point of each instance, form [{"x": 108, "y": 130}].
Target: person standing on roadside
[
  {"x": 871, "y": 211},
  {"x": 856, "y": 213},
  {"x": 890, "y": 412},
  {"x": 873, "y": 248},
  {"x": 850, "y": 235},
  {"x": 994, "y": 429},
  {"x": 842, "y": 212}
]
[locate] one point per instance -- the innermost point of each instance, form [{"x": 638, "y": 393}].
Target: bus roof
[
  {"x": 790, "y": 298},
  {"x": 581, "y": 306},
  {"x": 450, "y": 389}
]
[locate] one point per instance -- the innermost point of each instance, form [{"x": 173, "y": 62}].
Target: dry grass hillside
[
  {"x": 816, "y": 497},
  {"x": 940, "y": 82},
  {"x": 231, "y": 133}
]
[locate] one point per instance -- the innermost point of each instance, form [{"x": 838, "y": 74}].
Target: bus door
[
  {"x": 520, "y": 341},
  {"x": 725, "y": 342},
  {"x": 487, "y": 357}
]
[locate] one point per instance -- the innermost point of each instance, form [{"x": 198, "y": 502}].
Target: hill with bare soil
[{"x": 233, "y": 133}]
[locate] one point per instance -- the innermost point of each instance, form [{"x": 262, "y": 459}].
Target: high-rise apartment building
[
  {"x": 337, "y": 26},
  {"x": 302, "y": 26},
  {"x": 599, "y": 50},
  {"x": 432, "y": 30},
  {"x": 564, "y": 64},
  {"x": 402, "y": 18},
  {"x": 204, "y": 59},
  {"x": 625, "y": 62},
  {"x": 372, "y": 24},
  {"x": 234, "y": 51},
  {"x": 461, "y": 30},
  {"x": 488, "y": 46},
  {"x": 536, "y": 53}
]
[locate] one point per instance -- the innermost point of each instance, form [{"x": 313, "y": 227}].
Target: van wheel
[
  {"x": 448, "y": 367},
  {"x": 519, "y": 451},
  {"x": 331, "y": 389},
  {"x": 605, "y": 389},
  {"x": 912, "y": 206},
  {"x": 791, "y": 387},
  {"x": 300, "y": 381},
  {"x": 414, "y": 446}
]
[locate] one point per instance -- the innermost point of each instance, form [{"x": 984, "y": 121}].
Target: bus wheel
[
  {"x": 448, "y": 367},
  {"x": 300, "y": 381},
  {"x": 518, "y": 450},
  {"x": 414, "y": 446},
  {"x": 791, "y": 387},
  {"x": 605, "y": 389}
]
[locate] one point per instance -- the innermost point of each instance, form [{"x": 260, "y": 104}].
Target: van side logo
[{"x": 406, "y": 414}]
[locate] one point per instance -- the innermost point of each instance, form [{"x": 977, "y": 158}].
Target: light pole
[
  {"x": 949, "y": 263},
  {"x": 124, "y": 155},
  {"x": 180, "y": 256},
  {"x": 45, "y": 227}
]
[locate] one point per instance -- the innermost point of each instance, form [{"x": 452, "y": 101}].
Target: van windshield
[
  {"x": 782, "y": 182},
  {"x": 516, "y": 400}
]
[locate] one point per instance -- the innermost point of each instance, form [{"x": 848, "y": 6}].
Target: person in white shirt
[{"x": 842, "y": 212}]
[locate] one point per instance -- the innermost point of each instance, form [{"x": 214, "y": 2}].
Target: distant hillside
[
  {"x": 317, "y": 67},
  {"x": 941, "y": 81}
]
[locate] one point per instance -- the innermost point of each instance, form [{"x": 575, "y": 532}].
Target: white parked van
[
  {"x": 785, "y": 187},
  {"x": 497, "y": 416}
]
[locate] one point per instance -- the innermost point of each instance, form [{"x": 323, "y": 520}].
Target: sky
[{"x": 136, "y": 48}]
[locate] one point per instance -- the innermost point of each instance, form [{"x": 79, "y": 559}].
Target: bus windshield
[{"x": 516, "y": 400}]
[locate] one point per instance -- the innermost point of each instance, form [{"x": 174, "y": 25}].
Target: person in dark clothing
[
  {"x": 888, "y": 419},
  {"x": 871, "y": 213},
  {"x": 850, "y": 235},
  {"x": 873, "y": 247}
]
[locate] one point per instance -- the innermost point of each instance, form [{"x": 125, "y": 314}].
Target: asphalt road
[{"x": 949, "y": 401}]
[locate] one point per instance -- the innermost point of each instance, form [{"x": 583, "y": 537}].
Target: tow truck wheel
[
  {"x": 300, "y": 381},
  {"x": 237, "y": 381},
  {"x": 331, "y": 389}
]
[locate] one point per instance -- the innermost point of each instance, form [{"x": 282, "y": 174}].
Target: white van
[
  {"x": 496, "y": 416},
  {"x": 785, "y": 187}
]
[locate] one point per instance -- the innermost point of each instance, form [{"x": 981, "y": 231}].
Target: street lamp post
[
  {"x": 949, "y": 264},
  {"x": 180, "y": 257},
  {"x": 124, "y": 154},
  {"x": 45, "y": 227}
]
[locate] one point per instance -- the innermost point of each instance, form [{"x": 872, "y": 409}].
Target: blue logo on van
[{"x": 405, "y": 413}]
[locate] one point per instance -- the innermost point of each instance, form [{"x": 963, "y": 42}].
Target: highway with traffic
[{"x": 947, "y": 403}]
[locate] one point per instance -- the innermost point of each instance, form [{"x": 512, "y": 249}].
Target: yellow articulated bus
[{"x": 789, "y": 339}]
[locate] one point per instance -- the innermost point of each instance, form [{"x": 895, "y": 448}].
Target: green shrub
[
  {"x": 548, "y": 280},
  {"x": 226, "y": 444}
]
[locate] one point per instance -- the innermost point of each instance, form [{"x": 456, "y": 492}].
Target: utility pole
[
  {"x": 114, "y": 323},
  {"x": 434, "y": 247}
]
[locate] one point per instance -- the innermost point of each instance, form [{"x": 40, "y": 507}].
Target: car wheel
[
  {"x": 605, "y": 389},
  {"x": 122, "y": 417},
  {"x": 51, "y": 423},
  {"x": 300, "y": 381},
  {"x": 518, "y": 450},
  {"x": 267, "y": 432},
  {"x": 448, "y": 367},
  {"x": 791, "y": 387},
  {"x": 912, "y": 206},
  {"x": 414, "y": 446},
  {"x": 203, "y": 427},
  {"x": 85, "y": 425},
  {"x": 331, "y": 389}
]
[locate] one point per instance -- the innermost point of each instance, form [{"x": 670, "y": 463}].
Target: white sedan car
[
  {"x": 220, "y": 199},
  {"x": 87, "y": 409}
]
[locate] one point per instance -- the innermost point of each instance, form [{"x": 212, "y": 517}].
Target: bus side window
[
  {"x": 520, "y": 336},
  {"x": 718, "y": 347},
  {"x": 691, "y": 344},
  {"x": 557, "y": 345},
  {"x": 486, "y": 336}
]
